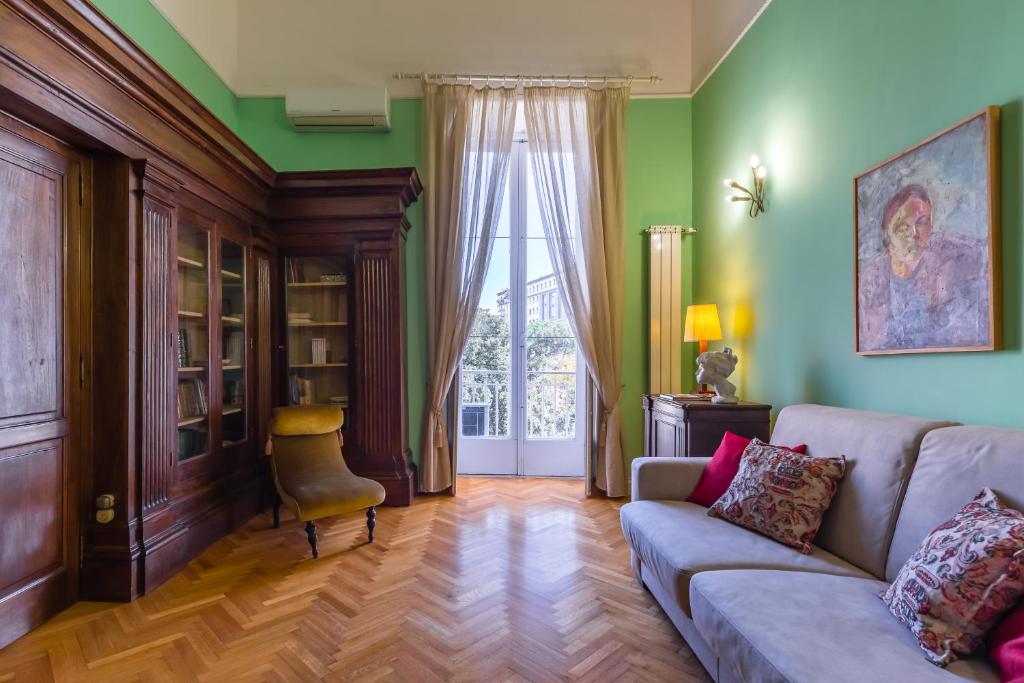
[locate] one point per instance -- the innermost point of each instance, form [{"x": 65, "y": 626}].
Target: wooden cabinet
[
  {"x": 341, "y": 236},
  {"x": 680, "y": 428},
  {"x": 200, "y": 465},
  {"x": 146, "y": 396}
]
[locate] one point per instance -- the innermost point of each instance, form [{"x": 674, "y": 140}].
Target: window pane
[
  {"x": 551, "y": 405},
  {"x": 487, "y": 358},
  {"x": 550, "y": 346}
]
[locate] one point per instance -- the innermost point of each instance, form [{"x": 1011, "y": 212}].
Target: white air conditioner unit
[{"x": 339, "y": 110}]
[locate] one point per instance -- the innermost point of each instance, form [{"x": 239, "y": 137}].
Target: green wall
[
  {"x": 148, "y": 28},
  {"x": 264, "y": 127},
  {"x": 658, "y": 191},
  {"x": 659, "y": 180},
  {"x": 821, "y": 91}
]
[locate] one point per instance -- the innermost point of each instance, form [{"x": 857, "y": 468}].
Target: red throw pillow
[
  {"x": 722, "y": 469},
  {"x": 1006, "y": 647}
]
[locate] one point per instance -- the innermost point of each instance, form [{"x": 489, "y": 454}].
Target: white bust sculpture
[{"x": 713, "y": 367}]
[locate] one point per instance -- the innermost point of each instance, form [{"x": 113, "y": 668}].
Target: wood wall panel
[
  {"x": 158, "y": 360},
  {"x": 39, "y": 342},
  {"x": 32, "y": 478},
  {"x": 375, "y": 331},
  {"x": 264, "y": 346},
  {"x": 30, "y": 222}
]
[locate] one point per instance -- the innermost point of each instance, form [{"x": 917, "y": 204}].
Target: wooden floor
[{"x": 513, "y": 580}]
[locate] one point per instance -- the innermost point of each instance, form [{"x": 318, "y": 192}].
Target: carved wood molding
[
  {"x": 90, "y": 81},
  {"x": 345, "y": 196},
  {"x": 157, "y": 354}
]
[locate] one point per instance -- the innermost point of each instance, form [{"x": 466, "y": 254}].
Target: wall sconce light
[{"x": 756, "y": 198}]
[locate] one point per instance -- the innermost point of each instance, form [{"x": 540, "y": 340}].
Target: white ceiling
[{"x": 263, "y": 47}]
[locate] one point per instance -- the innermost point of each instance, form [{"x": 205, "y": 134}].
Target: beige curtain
[
  {"x": 577, "y": 141},
  {"x": 467, "y": 146}
]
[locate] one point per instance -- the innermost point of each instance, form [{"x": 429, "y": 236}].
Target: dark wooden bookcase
[
  {"x": 341, "y": 237},
  {"x": 188, "y": 229}
]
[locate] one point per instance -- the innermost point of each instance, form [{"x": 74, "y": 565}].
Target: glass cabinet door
[
  {"x": 193, "y": 341},
  {"x": 232, "y": 339},
  {"x": 318, "y": 331}
]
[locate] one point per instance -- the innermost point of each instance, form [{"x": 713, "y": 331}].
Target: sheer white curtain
[
  {"x": 467, "y": 146},
  {"x": 577, "y": 140}
]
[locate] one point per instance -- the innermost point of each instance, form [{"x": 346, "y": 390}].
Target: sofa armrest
[{"x": 666, "y": 478}]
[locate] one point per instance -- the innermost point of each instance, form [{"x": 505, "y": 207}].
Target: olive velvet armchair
[{"x": 309, "y": 470}]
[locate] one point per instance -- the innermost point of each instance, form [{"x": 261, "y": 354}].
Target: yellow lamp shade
[{"x": 702, "y": 323}]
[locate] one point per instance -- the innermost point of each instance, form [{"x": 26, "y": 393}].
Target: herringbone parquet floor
[{"x": 513, "y": 580}]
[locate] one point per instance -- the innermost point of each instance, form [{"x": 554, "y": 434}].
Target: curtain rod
[{"x": 520, "y": 78}]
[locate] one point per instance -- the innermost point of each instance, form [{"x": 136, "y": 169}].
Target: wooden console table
[{"x": 682, "y": 428}]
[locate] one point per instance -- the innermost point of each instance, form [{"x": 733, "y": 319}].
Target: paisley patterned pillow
[
  {"x": 780, "y": 494},
  {"x": 963, "y": 577}
]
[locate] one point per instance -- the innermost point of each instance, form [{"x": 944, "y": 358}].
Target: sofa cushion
[
  {"x": 675, "y": 540},
  {"x": 964, "y": 577},
  {"x": 954, "y": 464},
  {"x": 780, "y": 494},
  {"x": 880, "y": 450},
  {"x": 792, "y": 627}
]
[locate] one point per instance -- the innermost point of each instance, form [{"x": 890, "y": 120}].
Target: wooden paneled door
[{"x": 41, "y": 358}]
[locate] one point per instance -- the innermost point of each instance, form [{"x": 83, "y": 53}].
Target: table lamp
[{"x": 702, "y": 325}]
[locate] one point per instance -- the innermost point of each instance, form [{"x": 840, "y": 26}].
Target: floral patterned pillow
[
  {"x": 965, "y": 575},
  {"x": 780, "y": 494}
]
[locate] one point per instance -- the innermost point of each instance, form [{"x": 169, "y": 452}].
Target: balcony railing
[
  {"x": 489, "y": 389},
  {"x": 550, "y": 404}
]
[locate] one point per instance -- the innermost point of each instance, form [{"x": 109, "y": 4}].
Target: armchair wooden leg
[
  {"x": 371, "y": 521},
  {"x": 277, "y": 510},
  {"x": 311, "y": 535}
]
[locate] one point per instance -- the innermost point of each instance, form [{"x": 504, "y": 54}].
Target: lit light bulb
[
  {"x": 754, "y": 161},
  {"x": 727, "y": 182},
  {"x": 760, "y": 172}
]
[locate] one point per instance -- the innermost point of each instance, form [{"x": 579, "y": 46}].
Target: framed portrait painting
[{"x": 926, "y": 241}]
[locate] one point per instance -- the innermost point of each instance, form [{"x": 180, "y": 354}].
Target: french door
[{"x": 522, "y": 380}]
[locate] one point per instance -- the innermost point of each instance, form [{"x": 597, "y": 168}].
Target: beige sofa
[{"x": 754, "y": 610}]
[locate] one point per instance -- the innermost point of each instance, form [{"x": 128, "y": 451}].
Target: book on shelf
[
  {"x": 340, "y": 401},
  {"x": 340, "y": 278},
  {"x": 184, "y": 357},
  {"x": 296, "y": 271},
  {"x": 301, "y": 391},
  {"x": 320, "y": 349},
  {"x": 233, "y": 345},
  {"x": 299, "y": 317},
  {"x": 192, "y": 398},
  {"x": 234, "y": 392},
  {"x": 687, "y": 397}
]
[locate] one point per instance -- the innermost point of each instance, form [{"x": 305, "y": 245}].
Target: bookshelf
[
  {"x": 317, "y": 305},
  {"x": 232, "y": 341},
  {"x": 193, "y": 341}
]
